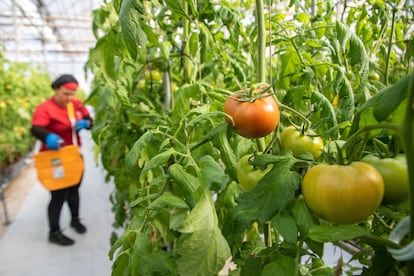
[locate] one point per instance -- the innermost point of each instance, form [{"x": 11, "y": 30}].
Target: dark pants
[{"x": 71, "y": 196}]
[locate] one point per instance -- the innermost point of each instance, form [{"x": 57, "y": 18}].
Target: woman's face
[{"x": 63, "y": 95}]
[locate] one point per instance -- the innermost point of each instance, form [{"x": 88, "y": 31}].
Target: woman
[{"x": 51, "y": 125}]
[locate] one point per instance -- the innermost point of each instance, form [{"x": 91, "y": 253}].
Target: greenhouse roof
[{"x": 51, "y": 33}]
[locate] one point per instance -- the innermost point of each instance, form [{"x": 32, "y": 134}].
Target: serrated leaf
[
  {"x": 122, "y": 95},
  {"x": 303, "y": 217},
  {"x": 213, "y": 175},
  {"x": 284, "y": 265},
  {"x": 165, "y": 47},
  {"x": 130, "y": 15},
  {"x": 186, "y": 184},
  {"x": 183, "y": 98},
  {"x": 201, "y": 249},
  {"x": 147, "y": 261},
  {"x": 387, "y": 105},
  {"x": 176, "y": 7},
  {"x": 133, "y": 155},
  {"x": 333, "y": 233},
  {"x": 285, "y": 224},
  {"x": 273, "y": 192},
  {"x": 167, "y": 199},
  {"x": 303, "y": 18},
  {"x": 158, "y": 160}
]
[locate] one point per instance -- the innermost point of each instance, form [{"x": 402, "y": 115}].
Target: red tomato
[{"x": 253, "y": 119}]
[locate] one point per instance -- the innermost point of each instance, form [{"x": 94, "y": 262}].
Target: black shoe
[
  {"x": 79, "y": 227},
  {"x": 60, "y": 239}
]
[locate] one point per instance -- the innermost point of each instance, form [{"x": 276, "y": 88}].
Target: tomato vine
[{"x": 173, "y": 157}]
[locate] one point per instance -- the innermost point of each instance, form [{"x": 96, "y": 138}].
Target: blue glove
[
  {"x": 53, "y": 141},
  {"x": 81, "y": 124}
]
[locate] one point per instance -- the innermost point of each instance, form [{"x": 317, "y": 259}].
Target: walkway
[{"x": 24, "y": 249}]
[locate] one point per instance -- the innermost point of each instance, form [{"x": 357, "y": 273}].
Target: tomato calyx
[{"x": 256, "y": 91}]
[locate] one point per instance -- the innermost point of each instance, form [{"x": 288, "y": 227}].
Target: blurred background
[{"x": 55, "y": 34}]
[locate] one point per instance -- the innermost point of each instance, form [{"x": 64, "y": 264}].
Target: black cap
[{"x": 62, "y": 80}]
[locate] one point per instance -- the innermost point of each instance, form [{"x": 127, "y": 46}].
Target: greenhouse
[{"x": 187, "y": 137}]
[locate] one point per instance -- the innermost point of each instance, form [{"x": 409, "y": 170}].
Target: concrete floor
[{"x": 24, "y": 248}]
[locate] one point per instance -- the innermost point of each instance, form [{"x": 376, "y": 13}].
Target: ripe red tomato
[
  {"x": 343, "y": 194},
  {"x": 252, "y": 119}
]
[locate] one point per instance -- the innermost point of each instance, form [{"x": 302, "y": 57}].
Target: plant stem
[
  {"x": 394, "y": 11},
  {"x": 366, "y": 129},
  {"x": 408, "y": 138},
  {"x": 261, "y": 40},
  {"x": 186, "y": 37},
  {"x": 261, "y": 44}
]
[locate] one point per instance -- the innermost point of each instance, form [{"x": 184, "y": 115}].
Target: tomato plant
[
  {"x": 292, "y": 139},
  {"x": 22, "y": 87},
  {"x": 252, "y": 118},
  {"x": 395, "y": 175},
  {"x": 174, "y": 159},
  {"x": 248, "y": 175},
  {"x": 343, "y": 194}
]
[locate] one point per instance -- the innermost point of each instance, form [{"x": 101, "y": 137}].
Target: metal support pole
[{"x": 3, "y": 200}]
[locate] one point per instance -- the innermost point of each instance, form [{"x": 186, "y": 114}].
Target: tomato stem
[
  {"x": 261, "y": 40},
  {"x": 306, "y": 122},
  {"x": 367, "y": 129},
  {"x": 407, "y": 133}
]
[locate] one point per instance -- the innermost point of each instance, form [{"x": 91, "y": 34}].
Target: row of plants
[
  {"x": 22, "y": 87},
  {"x": 229, "y": 128}
]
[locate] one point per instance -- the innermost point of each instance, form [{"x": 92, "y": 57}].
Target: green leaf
[
  {"x": 273, "y": 192},
  {"x": 131, "y": 159},
  {"x": 285, "y": 224},
  {"x": 99, "y": 55},
  {"x": 303, "y": 18},
  {"x": 213, "y": 174},
  {"x": 201, "y": 249},
  {"x": 122, "y": 95},
  {"x": 227, "y": 155},
  {"x": 284, "y": 265},
  {"x": 167, "y": 199},
  {"x": 304, "y": 218},
  {"x": 159, "y": 160},
  {"x": 206, "y": 44},
  {"x": 146, "y": 260},
  {"x": 186, "y": 184},
  {"x": 183, "y": 98},
  {"x": 333, "y": 233},
  {"x": 165, "y": 48},
  {"x": 387, "y": 105},
  {"x": 130, "y": 18},
  {"x": 238, "y": 71},
  {"x": 176, "y": 7}
]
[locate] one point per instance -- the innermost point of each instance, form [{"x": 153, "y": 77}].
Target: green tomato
[
  {"x": 291, "y": 139},
  {"x": 395, "y": 175},
  {"x": 343, "y": 194},
  {"x": 153, "y": 75},
  {"x": 374, "y": 76},
  {"x": 248, "y": 175}
]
